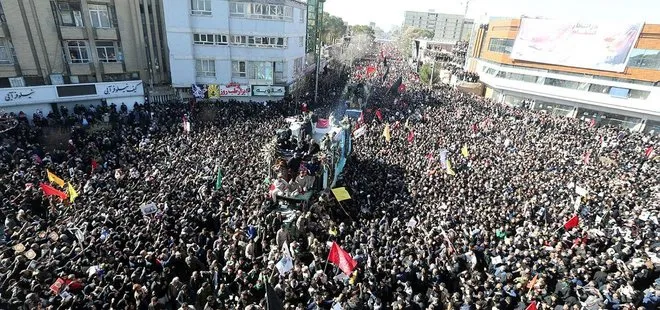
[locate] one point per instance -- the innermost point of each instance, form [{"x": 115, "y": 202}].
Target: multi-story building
[
  {"x": 63, "y": 51},
  {"x": 224, "y": 48},
  {"x": 612, "y": 79},
  {"x": 445, "y": 27}
]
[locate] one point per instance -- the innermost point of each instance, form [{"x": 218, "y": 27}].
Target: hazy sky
[{"x": 387, "y": 13}]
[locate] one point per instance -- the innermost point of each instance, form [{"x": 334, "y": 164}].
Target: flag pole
[{"x": 342, "y": 207}]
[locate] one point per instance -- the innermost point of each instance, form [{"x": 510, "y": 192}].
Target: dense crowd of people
[{"x": 463, "y": 208}]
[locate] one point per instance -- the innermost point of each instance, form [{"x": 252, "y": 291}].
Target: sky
[{"x": 388, "y": 13}]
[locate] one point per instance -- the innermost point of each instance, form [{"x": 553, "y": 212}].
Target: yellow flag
[
  {"x": 386, "y": 133},
  {"x": 72, "y": 192},
  {"x": 465, "y": 152},
  {"x": 449, "y": 170},
  {"x": 341, "y": 194},
  {"x": 55, "y": 179},
  {"x": 407, "y": 124}
]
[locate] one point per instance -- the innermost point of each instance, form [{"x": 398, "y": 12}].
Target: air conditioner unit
[{"x": 17, "y": 81}]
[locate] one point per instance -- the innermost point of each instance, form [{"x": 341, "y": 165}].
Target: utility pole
[
  {"x": 432, "y": 69},
  {"x": 467, "y": 5},
  {"x": 319, "y": 23}
]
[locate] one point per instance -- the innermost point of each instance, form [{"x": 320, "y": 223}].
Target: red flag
[
  {"x": 322, "y": 123},
  {"x": 532, "y": 306},
  {"x": 402, "y": 88},
  {"x": 379, "y": 115},
  {"x": 94, "y": 165},
  {"x": 592, "y": 123},
  {"x": 370, "y": 70},
  {"x": 342, "y": 259},
  {"x": 50, "y": 191},
  {"x": 574, "y": 221},
  {"x": 648, "y": 152},
  {"x": 411, "y": 136}
]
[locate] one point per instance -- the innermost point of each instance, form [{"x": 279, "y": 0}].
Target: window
[
  {"x": 78, "y": 52},
  {"x": 517, "y": 77},
  {"x": 209, "y": 39},
  {"x": 258, "y": 41},
  {"x": 648, "y": 59},
  {"x": 205, "y": 67},
  {"x": 257, "y": 8},
  {"x": 260, "y": 70},
  {"x": 237, "y": 8},
  {"x": 561, "y": 83},
  {"x": 279, "y": 71},
  {"x": 70, "y": 14},
  {"x": 602, "y": 89},
  {"x": 201, "y": 7},
  {"x": 619, "y": 92},
  {"x": 269, "y": 11},
  {"x": 302, "y": 15},
  {"x": 6, "y": 55},
  {"x": 238, "y": 69},
  {"x": 99, "y": 15},
  {"x": 298, "y": 65},
  {"x": 500, "y": 45},
  {"x": 239, "y": 40},
  {"x": 638, "y": 94},
  {"x": 221, "y": 39},
  {"x": 106, "y": 51}
]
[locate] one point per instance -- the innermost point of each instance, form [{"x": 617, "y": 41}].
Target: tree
[
  {"x": 333, "y": 28},
  {"x": 380, "y": 33},
  {"x": 408, "y": 35},
  {"x": 363, "y": 29},
  {"x": 359, "y": 46},
  {"x": 394, "y": 32},
  {"x": 425, "y": 73}
]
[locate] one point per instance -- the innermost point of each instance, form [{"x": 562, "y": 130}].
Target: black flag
[
  {"x": 272, "y": 301},
  {"x": 394, "y": 90}
]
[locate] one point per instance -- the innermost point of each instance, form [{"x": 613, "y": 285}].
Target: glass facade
[
  {"x": 501, "y": 45},
  {"x": 625, "y": 93},
  {"x": 646, "y": 59},
  {"x": 609, "y": 118},
  {"x": 314, "y": 13},
  {"x": 553, "y": 108},
  {"x": 652, "y": 126}
]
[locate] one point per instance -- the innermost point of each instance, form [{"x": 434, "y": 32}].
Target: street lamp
[{"x": 319, "y": 22}]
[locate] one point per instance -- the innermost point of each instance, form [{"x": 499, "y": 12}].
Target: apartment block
[
  {"x": 447, "y": 28},
  {"x": 77, "y": 41},
  {"x": 222, "y": 48}
]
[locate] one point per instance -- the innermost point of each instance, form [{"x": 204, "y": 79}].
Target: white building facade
[
  {"x": 447, "y": 28},
  {"x": 235, "y": 48}
]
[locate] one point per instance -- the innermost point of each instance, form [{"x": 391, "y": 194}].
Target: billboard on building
[{"x": 603, "y": 46}]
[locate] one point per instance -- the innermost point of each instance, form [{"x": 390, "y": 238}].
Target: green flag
[{"x": 218, "y": 181}]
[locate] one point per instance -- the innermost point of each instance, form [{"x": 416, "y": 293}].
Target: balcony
[
  {"x": 81, "y": 69},
  {"x": 73, "y": 33},
  {"x": 109, "y": 34},
  {"x": 112, "y": 67}
]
